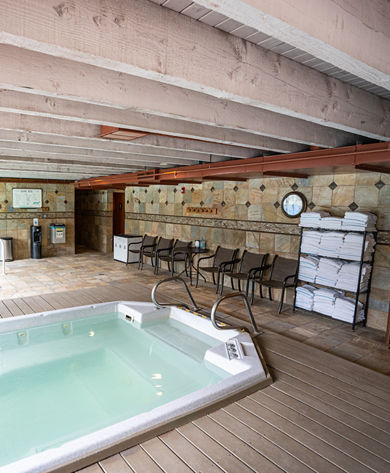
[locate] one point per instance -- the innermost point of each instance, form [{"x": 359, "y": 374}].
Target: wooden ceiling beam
[
  {"x": 317, "y": 98},
  {"x": 362, "y": 21},
  {"x": 127, "y": 94},
  {"x": 85, "y": 112},
  {"x": 372, "y": 168}
]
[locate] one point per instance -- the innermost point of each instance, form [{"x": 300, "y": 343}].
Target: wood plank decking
[{"x": 322, "y": 413}]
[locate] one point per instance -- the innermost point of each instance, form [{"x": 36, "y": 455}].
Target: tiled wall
[
  {"x": 249, "y": 216},
  {"x": 93, "y": 211},
  {"x": 58, "y": 207}
]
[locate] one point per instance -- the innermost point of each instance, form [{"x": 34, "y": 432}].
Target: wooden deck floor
[{"x": 322, "y": 413}]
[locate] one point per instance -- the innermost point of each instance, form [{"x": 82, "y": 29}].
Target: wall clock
[{"x": 293, "y": 204}]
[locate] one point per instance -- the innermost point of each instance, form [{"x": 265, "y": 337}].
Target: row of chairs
[
  {"x": 161, "y": 249},
  {"x": 250, "y": 268}
]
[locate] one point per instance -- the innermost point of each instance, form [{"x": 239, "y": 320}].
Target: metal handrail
[
  {"x": 174, "y": 278},
  {"x": 229, "y": 327}
]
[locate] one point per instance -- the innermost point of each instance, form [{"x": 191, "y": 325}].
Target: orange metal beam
[
  {"x": 368, "y": 154},
  {"x": 285, "y": 174}
]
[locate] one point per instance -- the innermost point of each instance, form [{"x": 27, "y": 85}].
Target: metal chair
[
  {"x": 178, "y": 253},
  {"x": 223, "y": 259},
  {"x": 148, "y": 242},
  {"x": 163, "y": 248},
  {"x": 283, "y": 274},
  {"x": 250, "y": 268}
]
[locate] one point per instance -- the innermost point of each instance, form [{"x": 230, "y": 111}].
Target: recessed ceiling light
[{"x": 163, "y": 164}]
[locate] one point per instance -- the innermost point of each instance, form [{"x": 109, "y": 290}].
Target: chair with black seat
[
  {"x": 223, "y": 259},
  {"x": 148, "y": 243},
  {"x": 178, "y": 254},
  {"x": 163, "y": 248},
  {"x": 250, "y": 269},
  {"x": 283, "y": 274}
]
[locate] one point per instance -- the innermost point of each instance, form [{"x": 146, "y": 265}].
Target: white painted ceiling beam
[
  {"x": 115, "y": 156},
  {"x": 25, "y": 128},
  {"x": 76, "y": 161},
  {"x": 30, "y": 72},
  {"x": 41, "y": 175},
  {"x": 215, "y": 63},
  {"x": 92, "y": 171},
  {"x": 354, "y": 36},
  {"x": 60, "y": 109}
]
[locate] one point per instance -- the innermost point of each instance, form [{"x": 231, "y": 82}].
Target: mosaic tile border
[
  {"x": 230, "y": 224},
  {"x": 42, "y": 215}
]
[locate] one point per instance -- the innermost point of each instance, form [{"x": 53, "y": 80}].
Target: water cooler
[{"x": 36, "y": 241}]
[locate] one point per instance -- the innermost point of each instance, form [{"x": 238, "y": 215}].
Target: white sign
[{"x": 26, "y": 198}]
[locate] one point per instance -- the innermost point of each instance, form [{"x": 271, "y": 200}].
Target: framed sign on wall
[{"x": 26, "y": 198}]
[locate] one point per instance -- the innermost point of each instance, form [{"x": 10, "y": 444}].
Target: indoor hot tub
[{"x": 79, "y": 381}]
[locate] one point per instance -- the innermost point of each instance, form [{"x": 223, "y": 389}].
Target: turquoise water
[{"x": 69, "y": 379}]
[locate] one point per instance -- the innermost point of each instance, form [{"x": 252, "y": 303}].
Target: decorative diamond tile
[
  {"x": 294, "y": 187},
  {"x": 146, "y": 191},
  {"x": 175, "y": 190},
  {"x": 182, "y": 202},
  {"x": 262, "y": 187},
  {"x": 235, "y": 188},
  {"x": 248, "y": 204},
  {"x": 223, "y": 203},
  {"x": 276, "y": 205},
  {"x": 379, "y": 184},
  {"x": 212, "y": 189},
  {"x": 192, "y": 189},
  {"x": 152, "y": 202},
  {"x": 311, "y": 205},
  {"x": 133, "y": 191},
  {"x": 332, "y": 185},
  {"x": 128, "y": 201},
  {"x": 353, "y": 206},
  {"x": 201, "y": 203},
  {"x": 166, "y": 202}
]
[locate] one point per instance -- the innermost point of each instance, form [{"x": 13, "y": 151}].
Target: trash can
[
  {"x": 57, "y": 233},
  {"x": 36, "y": 241},
  {"x": 8, "y": 249}
]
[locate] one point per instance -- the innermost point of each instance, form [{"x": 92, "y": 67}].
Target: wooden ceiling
[{"x": 195, "y": 82}]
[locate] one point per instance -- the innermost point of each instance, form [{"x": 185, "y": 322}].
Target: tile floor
[{"x": 28, "y": 277}]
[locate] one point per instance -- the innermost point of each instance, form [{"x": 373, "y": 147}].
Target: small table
[{"x": 191, "y": 253}]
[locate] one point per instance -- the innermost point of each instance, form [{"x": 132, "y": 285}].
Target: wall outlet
[{"x": 35, "y": 222}]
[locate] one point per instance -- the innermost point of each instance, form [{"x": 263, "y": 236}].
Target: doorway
[{"x": 118, "y": 214}]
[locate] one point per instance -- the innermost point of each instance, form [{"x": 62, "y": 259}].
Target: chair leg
[
  {"x": 281, "y": 301},
  {"x": 156, "y": 265},
  {"x": 218, "y": 281},
  {"x": 239, "y": 285},
  {"x": 253, "y": 291},
  {"x": 213, "y": 278},
  {"x": 261, "y": 290},
  {"x": 232, "y": 283},
  {"x": 270, "y": 293},
  {"x": 197, "y": 276},
  {"x": 140, "y": 260},
  {"x": 222, "y": 283}
]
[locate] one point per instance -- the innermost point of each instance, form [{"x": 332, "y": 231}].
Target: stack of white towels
[
  {"x": 337, "y": 244},
  {"x": 331, "y": 223},
  {"x": 347, "y": 277},
  {"x": 327, "y": 271},
  {"x": 324, "y": 300},
  {"x": 352, "y": 221},
  {"x": 305, "y": 297},
  {"x": 352, "y": 246},
  {"x": 331, "y": 243},
  {"x": 308, "y": 266},
  {"x": 333, "y": 273},
  {"x": 311, "y": 241},
  {"x": 344, "y": 309},
  {"x": 312, "y": 219},
  {"x": 328, "y": 302},
  {"x": 359, "y": 221}
]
